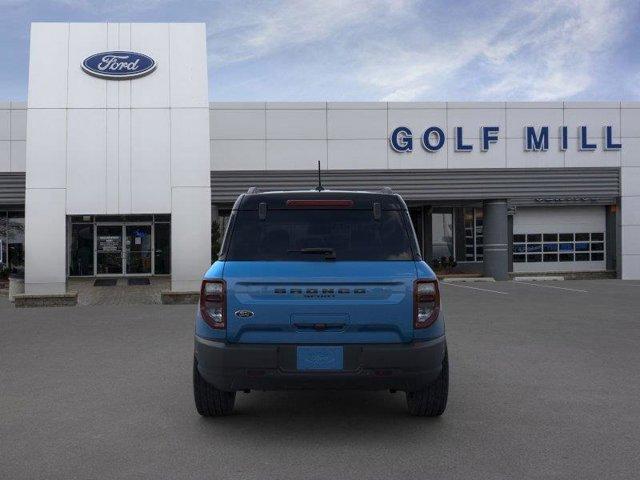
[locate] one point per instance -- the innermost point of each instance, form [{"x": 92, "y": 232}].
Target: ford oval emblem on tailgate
[{"x": 244, "y": 313}]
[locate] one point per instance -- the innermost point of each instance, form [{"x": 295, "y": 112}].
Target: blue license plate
[{"x": 320, "y": 358}]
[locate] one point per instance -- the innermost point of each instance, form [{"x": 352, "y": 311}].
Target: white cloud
[
  {"x": 399, "y": 49},
  {"x": 101, "y": 7},
  {"x": 562, "y": 55},
  {"x": 546, "y": 51},
  {"x": 405, "y": 50},
  {"x": 248, "y": 33}
]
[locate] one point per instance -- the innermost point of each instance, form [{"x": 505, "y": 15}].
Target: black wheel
[
  {"x": 210, "y": 402},
  {"x": 432, "y": 401}
]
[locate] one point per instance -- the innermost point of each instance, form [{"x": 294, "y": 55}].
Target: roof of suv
[{"x": 360, "y": 199}]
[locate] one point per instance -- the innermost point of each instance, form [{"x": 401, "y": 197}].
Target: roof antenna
[{"x": 320, "y": 187}]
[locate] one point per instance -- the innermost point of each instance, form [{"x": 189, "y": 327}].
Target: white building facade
[{"x": 123, "y": 176}]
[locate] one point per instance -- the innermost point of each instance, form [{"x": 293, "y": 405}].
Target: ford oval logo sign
[
  {"x": 244, "y": 313},
  {"x": 118, "y": 65}
]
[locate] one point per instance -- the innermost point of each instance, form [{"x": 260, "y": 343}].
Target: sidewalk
[{"x": 121, "y": 293}]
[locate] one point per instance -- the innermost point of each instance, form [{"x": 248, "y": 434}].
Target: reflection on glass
[
  {"x": 3, "y": 240},
  {"x": 97, "y": 248},
  {"x": 571, "y": 247},
  {"x": 468, "y": 234},
  {"x": 138, "y": 244},
  {"x": 479, "y": 213},
  {"x": 163, "y": 248},
  {"x": 110, "y": 263},
  {"x": 139, "y": 262},
  {"x": 442, "y": 234},
  {"x": 15, "y": 241},
  {"x": 109, "y": 249},
  {"x": 81, "y": 252},
  {"x": 472, "y": 220}
]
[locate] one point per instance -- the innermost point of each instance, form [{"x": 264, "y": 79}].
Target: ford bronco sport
[{"x": 320, "y": 289}]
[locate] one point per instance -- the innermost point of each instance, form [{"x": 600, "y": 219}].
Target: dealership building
[{"x": 118, "y": 165}]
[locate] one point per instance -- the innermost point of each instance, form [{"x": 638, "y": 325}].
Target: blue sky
[{"x": 378, "y": 49}]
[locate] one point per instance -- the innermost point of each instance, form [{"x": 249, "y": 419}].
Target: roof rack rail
[{"x": 253, "y": 190}]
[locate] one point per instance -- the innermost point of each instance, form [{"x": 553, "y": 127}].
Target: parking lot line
[
  {"x": 475, "y": 288},
  {"x": 552, "y": 286}
]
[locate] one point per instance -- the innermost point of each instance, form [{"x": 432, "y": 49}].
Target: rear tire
[
  {"x": 210, "y": 402},
  {"x": 431, "y": 401}
]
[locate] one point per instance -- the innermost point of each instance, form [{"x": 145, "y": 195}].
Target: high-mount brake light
[
  {"x": 426, "y": 303},
  {"x": 213, "y": 303},
  {"x": 320, "y": 203}
]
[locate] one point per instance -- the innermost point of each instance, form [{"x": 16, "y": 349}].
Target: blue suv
[{"x": 320, "y": 289}]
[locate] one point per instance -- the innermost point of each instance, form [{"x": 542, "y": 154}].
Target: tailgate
[{"x": 319, "y": 302}]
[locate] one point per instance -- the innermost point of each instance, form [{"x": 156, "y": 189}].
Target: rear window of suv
[{"x": 316, "y": 234}]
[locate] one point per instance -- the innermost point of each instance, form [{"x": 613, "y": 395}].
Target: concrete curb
[
  {"x": 468, "y": 279},
  {"x": 608, "y": 274},
  {"x": 25, "y": 300},
  {"x": 179, "y": 298},
  {"x": 538, "y": 279}
]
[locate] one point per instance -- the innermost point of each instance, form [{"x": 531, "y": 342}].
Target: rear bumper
[{"x": 233, "y": 367}]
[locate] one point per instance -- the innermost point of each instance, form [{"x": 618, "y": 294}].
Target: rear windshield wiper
[{"x": 330, "y": 253}]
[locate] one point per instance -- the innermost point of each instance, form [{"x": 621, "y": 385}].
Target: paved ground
[
  {"x": 121, "y": 293},
  {"x": 544, "y": 384}
]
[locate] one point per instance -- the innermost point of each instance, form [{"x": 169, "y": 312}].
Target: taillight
[
  {"x": 426, "y": 303},
  {"x": 213, "y": 303}
]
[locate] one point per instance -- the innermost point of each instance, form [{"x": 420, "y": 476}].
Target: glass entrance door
[
  {"x": 109, "y": 250},
  {"x": 139, "y": 249},
  {"x": 112, "y": 246}
]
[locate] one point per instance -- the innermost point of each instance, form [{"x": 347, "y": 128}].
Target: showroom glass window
[
  {"x": 473, "y": 239},
  {"x": 81, "y": 251},
  {"x": 162, "y": 251},
  {"x": 120, "y": 244},
  {"x": 3, "y": 243},
  {"x": 13, "y": 254},
  {"x": 442, "y": 232}
]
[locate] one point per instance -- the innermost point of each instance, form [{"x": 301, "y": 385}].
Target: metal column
[{"x": 496, "y": 254}]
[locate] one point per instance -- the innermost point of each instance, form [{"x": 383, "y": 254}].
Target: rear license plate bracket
[{"x": 320, "y": 358}]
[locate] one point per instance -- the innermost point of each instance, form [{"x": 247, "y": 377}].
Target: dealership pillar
[
  {"x": 496, "y": 254},
  {"x": 107, "y": 146}
]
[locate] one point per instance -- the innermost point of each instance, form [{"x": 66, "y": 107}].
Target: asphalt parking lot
[{"x": 545, "y": 383}]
